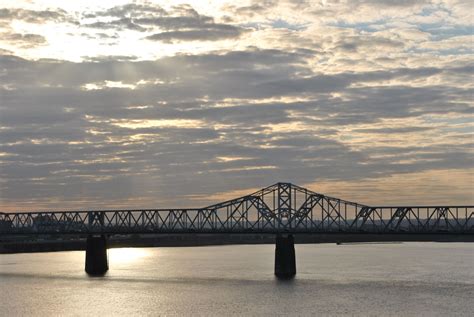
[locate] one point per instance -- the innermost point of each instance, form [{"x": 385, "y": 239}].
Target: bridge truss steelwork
[{"x": 280, "y": 208}]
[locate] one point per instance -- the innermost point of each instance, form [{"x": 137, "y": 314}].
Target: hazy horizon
[{"x": 143, "y": 104}]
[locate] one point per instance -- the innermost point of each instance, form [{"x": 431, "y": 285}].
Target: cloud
[
  {"x": 235, "y": 105},
  {"x": 392, "y": 130},
  {"x": 357, "y": 96},
  {"x": 255, "y": 8},
  {"x": 389, "y": 3},
  {"x": 214, "y": 33},
  {"x": 119, "y": 24},
  {"x": 180, "y": 23},
  {"x": 5, "y": 52},
  {"x": 128, "y": 10},
  {"x": 34, "y": 16},
  {"x": 23, "y": 40}
]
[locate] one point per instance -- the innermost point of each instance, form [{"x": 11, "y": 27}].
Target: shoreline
[{"x": 194, "y": 240}]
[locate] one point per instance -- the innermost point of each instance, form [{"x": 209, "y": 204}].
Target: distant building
[{"x": 51, "y": 224}]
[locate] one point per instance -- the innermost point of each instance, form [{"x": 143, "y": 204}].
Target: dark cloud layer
[{"x": 55, "y": 131}]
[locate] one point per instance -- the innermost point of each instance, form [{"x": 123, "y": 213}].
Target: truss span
[{"x": 280, "y": 208}]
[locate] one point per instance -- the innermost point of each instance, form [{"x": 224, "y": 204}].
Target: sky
[{"x": 148, "y": 104}]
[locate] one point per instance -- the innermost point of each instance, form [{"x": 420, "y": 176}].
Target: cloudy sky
[{"x": 131, "y": 104}]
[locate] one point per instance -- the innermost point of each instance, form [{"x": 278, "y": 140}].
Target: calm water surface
[{"x": 409, "y": 279}]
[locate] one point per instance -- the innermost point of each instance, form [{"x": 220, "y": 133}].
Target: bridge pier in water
[
  {"x": 285, "y": 262},
  {"x": 96, "y": 255}
]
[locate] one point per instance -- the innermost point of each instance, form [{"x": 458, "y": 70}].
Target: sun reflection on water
[{"x": 126, "y": 255}]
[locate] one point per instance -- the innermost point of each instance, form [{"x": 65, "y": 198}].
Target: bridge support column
[
  {"x": 285, "y": 262},
  {"x": 96, "y": 255}
]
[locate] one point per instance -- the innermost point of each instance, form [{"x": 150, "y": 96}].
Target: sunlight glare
[{"x": 127, "y": 255}]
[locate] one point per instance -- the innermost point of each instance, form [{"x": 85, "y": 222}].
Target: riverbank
[{"x": 50, "y": 244}]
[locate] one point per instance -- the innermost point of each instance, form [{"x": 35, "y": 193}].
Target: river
[{"x": 399, "y": 279}]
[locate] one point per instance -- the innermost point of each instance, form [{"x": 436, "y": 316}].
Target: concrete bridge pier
[
  {"x": 96, "y": 255},
  {"x": 285, "y": 262}
]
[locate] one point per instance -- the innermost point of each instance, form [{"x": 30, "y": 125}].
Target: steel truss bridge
[
  {"x": 283, "y": 209},
  {"x": 280, "y": 208}
]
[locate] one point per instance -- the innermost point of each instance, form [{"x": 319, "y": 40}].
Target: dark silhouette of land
[{"x": 16, "y": 244}]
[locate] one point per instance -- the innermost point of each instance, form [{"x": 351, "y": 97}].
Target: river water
[{"x": 408, "y": 279}]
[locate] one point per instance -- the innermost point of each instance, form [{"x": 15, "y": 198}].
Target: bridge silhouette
[{"x": 283, "y": 209}]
